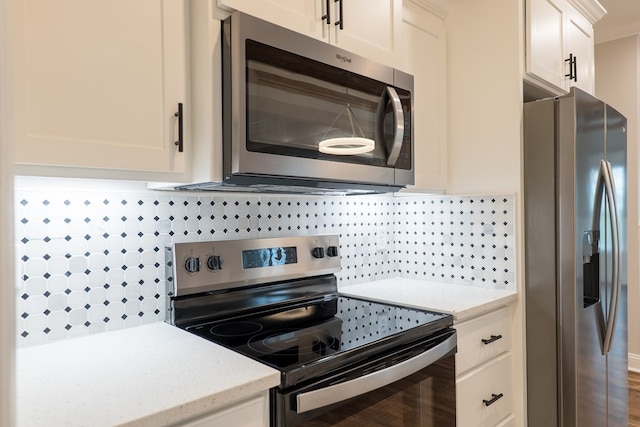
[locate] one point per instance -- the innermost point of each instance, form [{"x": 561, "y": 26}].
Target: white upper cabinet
[
  {"x": 580, "y": 44},
  {"x": 560, "y": 43},
  {"x": 302, "y": 16},
  {"x": 423, "y": 54},
  {"x": 545, "y": 40},
  {"x": 98, "y": 84},
  {"x": 370, "y": 28}
]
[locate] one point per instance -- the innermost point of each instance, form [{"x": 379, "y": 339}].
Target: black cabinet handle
[
  {"x": 327, "y": 15},
  {"x": 570, "y": 61},
  {"x": 180, "y": 141},
  {"x": 494, "y": 399},
  {"x": 493, "y": 338},
  {"x": 340, "y": 20},
  {"x": 573, "y": 67}
]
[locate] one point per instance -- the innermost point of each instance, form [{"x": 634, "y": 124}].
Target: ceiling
[{"x": 622, "y": 19}]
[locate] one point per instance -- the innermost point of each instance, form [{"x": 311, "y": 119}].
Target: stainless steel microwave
[{"x": 301, "y": 115}]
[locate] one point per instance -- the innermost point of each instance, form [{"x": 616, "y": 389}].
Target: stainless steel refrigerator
[{"x": 575, "y": 260}]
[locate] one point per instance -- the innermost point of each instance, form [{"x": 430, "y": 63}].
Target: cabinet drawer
[
  {"x": 482, "y": 338},
  {"x": 484, "y": 397},
  {"x": 509, "y": 422},
  {"x": 250, "y": 413}
]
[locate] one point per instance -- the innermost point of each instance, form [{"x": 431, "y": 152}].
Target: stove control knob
[
  {"x": 318, "y": 252},
  {"x": 192, "y": 264},
  {"x": 332, "y": 251},
  {"x": 214, "y": 262}
]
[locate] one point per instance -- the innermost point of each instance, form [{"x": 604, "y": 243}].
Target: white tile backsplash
[
  {"x": 90, "y": 262},
  {"x": 464, "y": 240}
]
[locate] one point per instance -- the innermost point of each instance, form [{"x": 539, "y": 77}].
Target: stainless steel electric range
[{"x": 343, "y": 361}]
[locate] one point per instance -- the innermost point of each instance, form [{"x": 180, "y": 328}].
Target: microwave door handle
[
  {"x": 398, "y": 133},
  {"x": 339, "y": 392},
  {"x": 609, "y": 190}
]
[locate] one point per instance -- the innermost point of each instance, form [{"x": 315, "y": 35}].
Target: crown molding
[
  {"x": 439, "y": 8},
  {"x": 591, "y": 9}
]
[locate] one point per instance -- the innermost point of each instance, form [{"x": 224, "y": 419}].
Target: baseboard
[{"x": 634, "y": 362}]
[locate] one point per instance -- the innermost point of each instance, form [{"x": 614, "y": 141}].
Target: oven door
[{"x": 413, "y": 386}]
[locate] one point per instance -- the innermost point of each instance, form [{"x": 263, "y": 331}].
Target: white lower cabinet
[
  {"x": 484, "y": 390},
  {"x": 484, "y": 397},
  {"x": 253, "y": 412},
  {"x": 509, "y": 422}
]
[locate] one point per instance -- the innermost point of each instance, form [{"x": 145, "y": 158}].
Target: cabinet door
[
  {"x": 580, "y": 43},
  {"x": 250, "y": 413},
  {"x": 98, "y": 83},
  {"x": 302, "y": 16},
  {"x": 370, "y": 28},
  {"x": 545, "y": 41},
  {"x": 423, "y": 54}
]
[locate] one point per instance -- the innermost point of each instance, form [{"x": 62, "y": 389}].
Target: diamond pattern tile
[{"x": 89, "y": 262}]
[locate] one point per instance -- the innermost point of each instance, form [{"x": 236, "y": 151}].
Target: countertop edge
[
  {"x": 465, "y": 315},
  {"x": 434, "y": 296},
  {"x": 149, "y": 375},
  {"x": 206, "y": 405}
]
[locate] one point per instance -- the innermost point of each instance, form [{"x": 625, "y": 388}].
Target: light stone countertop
[
  {"x": 151, "y": 375},
  {"x": 462, "y": 301},
  {"x": 158, "y": 374}
]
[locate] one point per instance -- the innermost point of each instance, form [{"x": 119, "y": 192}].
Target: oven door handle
[{"x": 339, "y": 392}]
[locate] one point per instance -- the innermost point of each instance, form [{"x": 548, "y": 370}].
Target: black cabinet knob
[{"x": 332, "y": 251}]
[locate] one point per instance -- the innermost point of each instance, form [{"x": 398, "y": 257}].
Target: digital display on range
[{"x": 269, "y": 257}]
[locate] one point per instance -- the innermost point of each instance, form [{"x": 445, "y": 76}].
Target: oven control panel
[{"x": 196, "y": 267}]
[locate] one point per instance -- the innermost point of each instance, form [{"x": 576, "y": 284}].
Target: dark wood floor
[{"x": 634, "y": 399}]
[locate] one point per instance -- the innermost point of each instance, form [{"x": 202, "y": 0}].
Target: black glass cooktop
[{"x": 328, "y": 332}]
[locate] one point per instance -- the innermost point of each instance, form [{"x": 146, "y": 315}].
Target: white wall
[
  {"x": 7, "y": 294},
  {"x": 618, "y": 83}
]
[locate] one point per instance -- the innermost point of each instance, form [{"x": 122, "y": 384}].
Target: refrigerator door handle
[
  {"x": 606, "y": 185},
  {"x": 615, "y": 259}
]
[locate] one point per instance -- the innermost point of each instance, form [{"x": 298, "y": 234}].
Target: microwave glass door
[{"x": 294, "y": 103}]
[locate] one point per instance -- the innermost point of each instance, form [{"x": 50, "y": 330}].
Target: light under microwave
[{"x": 301, "y": 115}]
